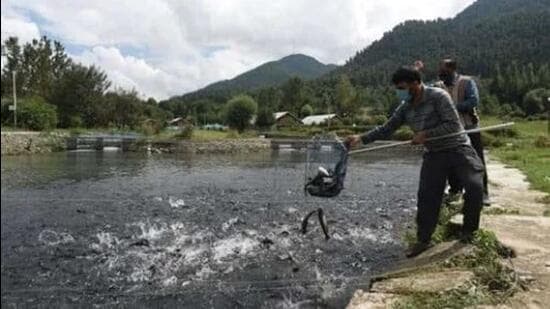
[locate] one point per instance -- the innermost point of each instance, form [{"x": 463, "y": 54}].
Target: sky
[{"x": 163, "y": 48}]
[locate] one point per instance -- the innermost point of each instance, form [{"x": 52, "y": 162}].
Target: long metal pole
[
  {"x": 495, "y": 127},
  {"x": 14, "y": 100}
]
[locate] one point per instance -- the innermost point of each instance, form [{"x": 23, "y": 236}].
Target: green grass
[
  {"x": 493, "y": 282},
  {"x": 524, "y": 147},
  {"x": 203, "y": 135}
]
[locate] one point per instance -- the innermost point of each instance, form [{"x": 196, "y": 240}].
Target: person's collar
[{"x": 422, "y": 95}]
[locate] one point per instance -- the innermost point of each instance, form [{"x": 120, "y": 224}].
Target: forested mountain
[
  {"x": 487, "y": 34},
  {"x": 272, "y": 73},
  {"x": 505, "y": 43}
]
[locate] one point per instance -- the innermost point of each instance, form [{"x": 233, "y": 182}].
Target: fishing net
[{"x": 326, "y": 164}]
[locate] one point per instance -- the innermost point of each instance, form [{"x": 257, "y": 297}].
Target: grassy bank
[
  {"x": 494, "y": 280},
  {"x": 526, "y": 146}
]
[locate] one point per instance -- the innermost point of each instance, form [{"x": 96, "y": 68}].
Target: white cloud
[
  {"x": 167, "y": 47},
  {"x": 13, "y": 24}
]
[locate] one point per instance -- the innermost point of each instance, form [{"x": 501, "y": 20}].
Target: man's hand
[
  {"x": 419, "y": 138},
  {"x": 353, "y": 140}
]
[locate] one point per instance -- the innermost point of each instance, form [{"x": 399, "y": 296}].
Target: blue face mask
[{"x": 403, "y": 95}]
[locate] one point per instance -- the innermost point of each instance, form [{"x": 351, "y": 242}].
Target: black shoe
[
  {"x": 417, "y": 248},
  {"x": 466, "y": 238}
]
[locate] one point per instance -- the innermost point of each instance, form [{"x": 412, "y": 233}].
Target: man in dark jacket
[{"x": 430, "y": 112}]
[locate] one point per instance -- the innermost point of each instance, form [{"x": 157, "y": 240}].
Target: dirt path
[{"x": 528, "y": 233}]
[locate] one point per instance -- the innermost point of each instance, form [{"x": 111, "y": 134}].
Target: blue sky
[{"x": 168, "y": 47}]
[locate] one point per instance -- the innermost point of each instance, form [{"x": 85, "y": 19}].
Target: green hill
[
  {"x": 269, "y": 74},
  {"x": 487, "y": 34}
]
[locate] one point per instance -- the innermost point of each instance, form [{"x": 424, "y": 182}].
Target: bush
[
  {"x": 306, "y": 110},
  {"x": 150, "y": 126},
  {"x": 347, "y": 121},
  {"x": 509, "y": 132},
  {"x": 36, "y": 114},
  {"x": 403, "y": 134},
  {"x": 535, "y": 101},
  {"x": 379, "y": 119},
  {"x": 75, "y": 122},
  {"x": 186, "y": 132},
  {"x": 542, "y": 141},
  {"x": 489, "y": 140},
  {"x": 239, "y": 112}
]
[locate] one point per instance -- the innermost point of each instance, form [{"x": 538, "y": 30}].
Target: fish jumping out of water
[{"x": 322, "y": 221}]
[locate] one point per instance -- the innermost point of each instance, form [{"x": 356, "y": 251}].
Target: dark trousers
[
  {"x": 454, "y": 181},
  {"x": 436, "y": 167}
]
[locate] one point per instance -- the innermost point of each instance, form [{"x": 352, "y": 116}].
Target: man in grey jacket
[
  {"x": 430, "y": 112},
  {"x": 463, "y": 90}
]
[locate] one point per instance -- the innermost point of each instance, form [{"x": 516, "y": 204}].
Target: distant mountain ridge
[{"x": 269, "y": 74}]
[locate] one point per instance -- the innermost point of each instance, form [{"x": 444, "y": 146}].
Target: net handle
[{"x": 488, "y": 128}]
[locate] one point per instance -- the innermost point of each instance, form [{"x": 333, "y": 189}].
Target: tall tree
[
  {"x": 79, "y": 94},
  {"x": 293, "y": 95}
]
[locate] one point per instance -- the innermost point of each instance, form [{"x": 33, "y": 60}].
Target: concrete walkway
[{"x": 527, "y": 232}]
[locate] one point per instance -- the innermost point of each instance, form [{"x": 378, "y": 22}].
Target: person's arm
[
  {"x": 471, "y": 97},
  {"x": 387, "y": 129},
  {"x": 450, "y": 122}
]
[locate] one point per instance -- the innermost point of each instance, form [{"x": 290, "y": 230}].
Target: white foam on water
[
  {"x": 151, "y": 231},
  {"x": 236, "y": 245},
  {"x": 204, "y": 272},
  {"x": 139, "y": 275},
  {"x": 53, "y": 238},
  {"x": 379, "y": 236},
  {"x": 158, "y": 198},
  {"x": 176, "y": 203},
  {"x": 105, "y": 241},
  {"x": 171, "y": 281},
  {"x": 230, "y": 223},
  {"x": 291, "y": 210},
  {"x": 171, "y": 248}
]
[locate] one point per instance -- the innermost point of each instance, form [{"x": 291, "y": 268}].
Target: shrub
[
  {"x": 306, "y": 110},
  {"x": 232, "y": 134},
  {"x": 379, "y": 119},
  {"x": 489, "y": 140},
  {"x": 347, "y": 121},
  {"x": 535, "y": 101},
  {"x": 403, "y": 134},
  {"x": 36, "y": 114},
  {"x": 239, "y": 112},
  {"x": 75, "y": 122},
  {"x": 150, "y": 126},
  {"x": 542, "y": 141},
  {"x": 186, "y": 132}
]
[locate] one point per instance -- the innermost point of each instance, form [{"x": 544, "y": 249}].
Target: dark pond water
[{"x": 129, "y": 230}]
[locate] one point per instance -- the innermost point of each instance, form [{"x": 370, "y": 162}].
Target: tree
[
  {"x": 12, "y": 51},
  {"x": 293, "y": 95},
  {"x": 265, "y": 118},
  {"x": 306, "y": 110},
  {"x": 270, "y": 98},
  {"x": 346, "y": 97},
  {"x": 127, "y": 109},
  {"x": 239, "y": 112},
  {"x": 78, "y": 96}
]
